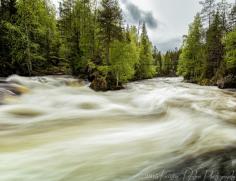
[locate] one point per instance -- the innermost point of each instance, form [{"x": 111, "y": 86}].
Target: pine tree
[{"x": 110, "y": 23}]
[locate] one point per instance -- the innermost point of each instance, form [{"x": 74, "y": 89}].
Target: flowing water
[{"x": 61, "y": 130}]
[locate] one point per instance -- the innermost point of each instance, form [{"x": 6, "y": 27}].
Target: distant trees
[
  {"x": 157, "y": 60},
  {"x": 145, "y": 67},
  {"x": 208, "y": 51}
]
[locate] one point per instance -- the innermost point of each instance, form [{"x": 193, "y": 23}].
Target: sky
[{"x": 167, "y": 20}]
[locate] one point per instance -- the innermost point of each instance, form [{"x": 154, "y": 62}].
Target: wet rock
[
  {"x": 13, "y": 88},
  {"x": 102, "y": 83},
  {"x": 227, "y": 82},
  {"x": 99, "y": 84},
  {"x": 10, "y": 90}
]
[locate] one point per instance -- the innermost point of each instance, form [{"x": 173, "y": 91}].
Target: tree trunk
[
  {"x": 108, "y": 54},
  {"x": 117, "y": 80}
]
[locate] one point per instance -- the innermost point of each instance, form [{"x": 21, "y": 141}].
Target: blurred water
[{"x": 60, "y": 130}]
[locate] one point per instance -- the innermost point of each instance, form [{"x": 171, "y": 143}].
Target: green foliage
[
  {"x": 169, "y": 63},
  {"x": 29, "y": 28},
  {"x": 7, "y": 14},
  {"x": 208, "y": 56},
  {"x": 214, "y": 47},
  {"x": 77, "y": 29},
  {"x": 123, "y": 59},
  {"x": 87, "y": 36},
  {"x": 157, "y": 60},
  {"x": 110, "y": 21},
  {"x": 145, "y": 67},
  {"x": 230, "y": 48},
  {"x": 191, "y": 59}
]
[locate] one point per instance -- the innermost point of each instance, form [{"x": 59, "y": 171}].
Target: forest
[
  {"x": 208, "y": 53},
  {"x": 90, "y": 39},
  {"x": 86, "y": 96},
  {"x": 83, "y": 38}
]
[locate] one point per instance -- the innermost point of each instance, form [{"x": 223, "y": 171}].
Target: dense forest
[
  {"x": 208, "y": 54},
  {"x": 89, "y": 39},
  {"x": 85, "y": 38}
]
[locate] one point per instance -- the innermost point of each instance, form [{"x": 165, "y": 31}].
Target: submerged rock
[
  {"x": 13, "y": 88},
  {"x": 9, "y": 90}
]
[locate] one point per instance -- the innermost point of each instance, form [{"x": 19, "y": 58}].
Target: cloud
[{"x": 134, "y": 14}]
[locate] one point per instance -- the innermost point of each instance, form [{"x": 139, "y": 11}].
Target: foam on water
[{"x": 59, "y": 132}]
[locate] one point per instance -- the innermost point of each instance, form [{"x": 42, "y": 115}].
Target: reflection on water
[{"x": 60, "y": 130}]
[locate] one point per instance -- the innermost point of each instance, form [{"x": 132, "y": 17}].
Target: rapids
[{"x": 61, "y": 130}]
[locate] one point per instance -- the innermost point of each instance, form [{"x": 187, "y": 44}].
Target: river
[{"x": 61, "y": 130}]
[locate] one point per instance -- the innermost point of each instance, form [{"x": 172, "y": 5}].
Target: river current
[{"x": 61, "y": 130}]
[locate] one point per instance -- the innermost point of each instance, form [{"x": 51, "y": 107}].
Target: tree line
[
  {"x": 86, "y": 38},
  {"x": 208, "y": 53}
]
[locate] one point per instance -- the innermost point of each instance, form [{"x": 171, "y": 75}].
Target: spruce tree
[
  {"x": 145, "y": 67},
  {"x": 191, "y": 59},
  {"x": 214, "y": 47},
  {"x": 208, "y": 10}
]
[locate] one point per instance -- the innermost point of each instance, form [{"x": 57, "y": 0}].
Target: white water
[{"x": 62, "y": 131}]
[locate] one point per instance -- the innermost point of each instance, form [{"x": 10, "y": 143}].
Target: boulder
[
  {"x": 99, "y": 84},
  {"x": 227, "y": 82}
]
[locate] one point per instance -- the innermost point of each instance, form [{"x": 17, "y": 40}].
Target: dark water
[{"x": 60, "y": 130}]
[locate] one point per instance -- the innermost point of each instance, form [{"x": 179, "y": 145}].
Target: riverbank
[{"x": 227, "y": 82}]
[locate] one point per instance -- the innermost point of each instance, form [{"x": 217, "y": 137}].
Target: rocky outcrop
[
  {"x": 227, "y": 82},
  {"x": 99, "y": 83}
]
